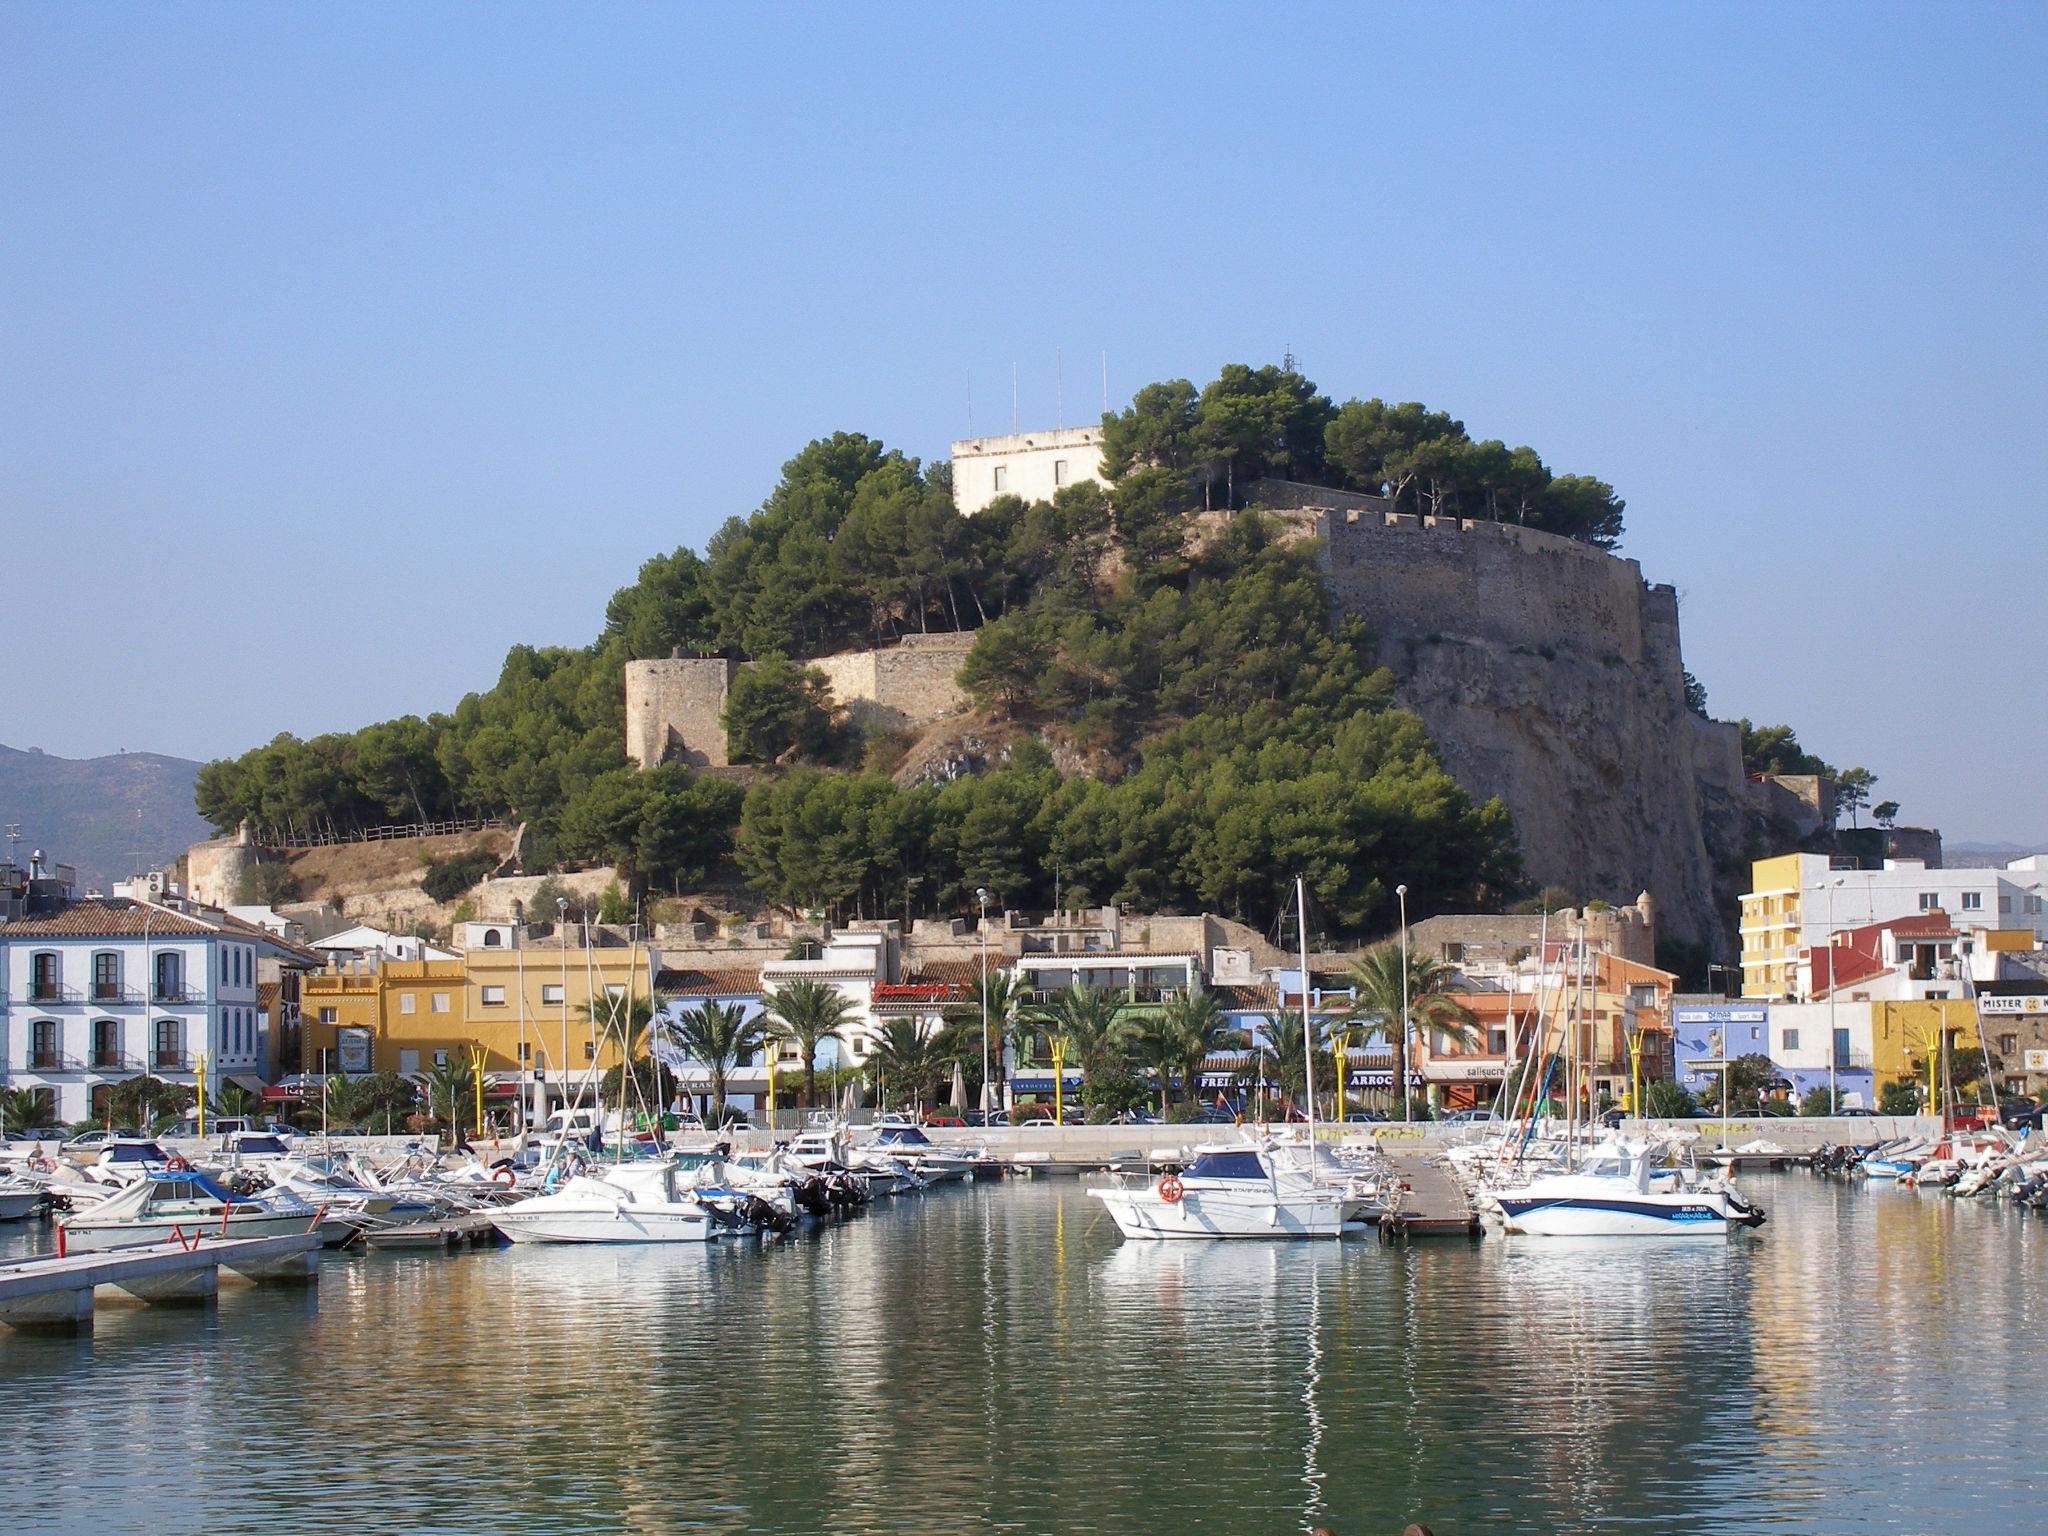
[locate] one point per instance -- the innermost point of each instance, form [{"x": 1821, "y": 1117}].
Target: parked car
[
  {"x": 1137, "y": 1117},
  {"x": 945, "y": 1116},
  {"x": 2020, "y": 1113},
  {"x": 1209, "y": 1114},
  {"x": 1366, "y": 1117},
  {"x": 1479, "y": 1117},
  {"x": 88, "y": 1139}
]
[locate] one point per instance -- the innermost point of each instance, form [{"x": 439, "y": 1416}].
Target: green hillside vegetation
[{"x": 1243, "y": 730}]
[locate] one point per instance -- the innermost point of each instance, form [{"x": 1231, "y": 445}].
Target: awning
[
  {"x": 249, "y": 1081},
  {"x": 1465, "y": 1071}
]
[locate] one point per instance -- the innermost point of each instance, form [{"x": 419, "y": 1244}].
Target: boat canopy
[
  {"x": 902, "y": 1136},
  {"x": 1226, "y": 1165}
]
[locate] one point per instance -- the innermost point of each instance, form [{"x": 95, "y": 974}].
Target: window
[
  {"x": 106, "y": 1043},
  {"x": 170, "y": 976},
  {"x": 106, "y": 975},
  {"x": 1939, "y": 995},
  {"x": 1788, "y": 1039},
  {"x": 590, "y": 1050},
  {"x": 170, "y": 1044},
  {"x": 551, "y": 994},
  {"x": 494, "y": 997},
  {"x": 407, "y": 1003},
  {"x": 43, "y": 1039},
  {"x": 45, "y": 977},
  {"x": 440, "y": 1002},
  {"x": 1454, "y": 953},
  {"x": 1059, "y": 471},
  {"x": 1929, "y": 900},
  {"x": 525, "y": 1051},
  {"x": 1002, "y": 479},
  {"x": 491, "y": 939},
  {"x": 328, "y": 1016},
  {"x": 2035, "y": 905},
  {"x": 2007, "y": 1044},
  {"x": 1497, "y": 1041},
  {"x": 2004, "y": 904},
  {"x": 440, "y": 1058},
  {"x": 1973, "y": 901}
]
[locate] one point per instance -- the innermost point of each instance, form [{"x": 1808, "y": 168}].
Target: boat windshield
[
  {"x": 903, "y": 1136},
  {"x": 266, "y": 1146},
  {"x": 134, "y": 1152},
  {"x": 1226, "y": 1165}
]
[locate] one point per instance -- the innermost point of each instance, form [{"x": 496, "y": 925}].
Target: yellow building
[
  {"x": 1773, "y": 923},
  {"x": 527, "y": 1009},
  {"x": 1904, "y": 1035}
]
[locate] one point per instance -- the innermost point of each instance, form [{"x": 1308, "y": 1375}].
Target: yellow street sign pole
[
  {"x": 199, "y": 1083},
  {"x": 1059, "y": 1080},
  {"x": 476, "y": 1072}
]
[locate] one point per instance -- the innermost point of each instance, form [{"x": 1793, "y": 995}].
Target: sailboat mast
[{"x": 1308, "y": 1037}]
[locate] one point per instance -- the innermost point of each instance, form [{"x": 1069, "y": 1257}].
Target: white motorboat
[
  {"x": 1616, "y": 1193},
  {"x": 627, "y": 1203},
  {"x": 1232, "y": 1191},
  {"x": 18, "y": 1198},
  {"x": 909, "y": 1145},
  {"x": 187, "y": 1205}
]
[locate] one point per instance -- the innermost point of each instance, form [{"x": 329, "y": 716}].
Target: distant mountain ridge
[{"x": 81, "y": 811}]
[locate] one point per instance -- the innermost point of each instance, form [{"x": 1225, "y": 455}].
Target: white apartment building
[
  {"x": 96, "y": 991},
  {"x": 1032, "y": 465},
  {"x": 1799, "y": 901}
]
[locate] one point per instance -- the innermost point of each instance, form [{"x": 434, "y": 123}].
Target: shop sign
[
  {"x": 352, "y": 1048},
  {"x": 2028, "y": 1003}
]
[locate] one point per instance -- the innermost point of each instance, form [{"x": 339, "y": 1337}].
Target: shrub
[
  {"x": 1667, "y": 1101},
  {"x": 265, "y": 885},
  {"x": 447, "y": 879},
  {"x": 1901, "y": 1096}
]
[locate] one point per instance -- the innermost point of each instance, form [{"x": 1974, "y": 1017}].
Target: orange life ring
[
  {"x": 176, "y": 1164},
  {"x": 1170, "y": 1190},
  {"x": 505, "y": 1176}
]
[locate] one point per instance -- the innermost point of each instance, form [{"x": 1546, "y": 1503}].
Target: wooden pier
[
  {"x": 60, "y": 1291},
  {"x": 1430, "y": 1202}
]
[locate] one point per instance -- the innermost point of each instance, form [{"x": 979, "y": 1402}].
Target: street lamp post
[
  {"x": 981, "y": 896},
  {"x": 1401, "y": 1057}
]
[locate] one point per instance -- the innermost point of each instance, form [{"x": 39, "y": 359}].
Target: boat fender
[
  {"x": 1170, "y": 1190},
  {"x": 504, "y": 1175},
  {"x": 177, "y": 1165}
]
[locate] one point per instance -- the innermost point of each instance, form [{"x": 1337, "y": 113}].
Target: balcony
[
  {"x": 45, "y": 1061},
  {"x": 112, "y": 992},
  {"x": 169, "y": 1061},
  {"x": 178, "y": 992},
  {"x": 113, "y": 1061},
  {"x": 51, "y": 992}
]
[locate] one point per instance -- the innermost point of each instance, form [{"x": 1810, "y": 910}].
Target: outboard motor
[{"x": 767, "y": 1215}]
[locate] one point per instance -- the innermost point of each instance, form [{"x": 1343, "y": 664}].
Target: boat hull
[
  {"x": 87, "y": 1236},
  {"x": 1204, "y": 1215},
  {"x": 606, "y": 1226},
  {"x": 13, "y": 1207},
  {"x": 1595, "y": 1216}
]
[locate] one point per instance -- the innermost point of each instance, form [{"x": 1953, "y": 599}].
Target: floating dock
[
  {"x": 1431, "y": 1203},
  {"x": 61, "y": 1290},
  {"x": 474, "y": 1231}
]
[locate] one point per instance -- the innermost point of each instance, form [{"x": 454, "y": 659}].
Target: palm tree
[
  {"x": 1002, "y": 995},
  {"x": 1284, "y": 1038},
  {"x": 347, "y": 1099},
  {"x": 627, "y": 1019},
  {"x": 389, "y": 1094},
  {"x": 808, "y": 1013},
  {"x": 911, "y": 1058},
  {"x": 235, "y": 1102},
  {"x": 24, "y": 1109},
  {"x": 1093, "y": 1026},
  {"x": 1377, "y": 986},
  {"x": 147, "y": 1102},
  {"x": 451, "y": 1088},
  {"x": 1184, "y": 1032},
  {"x": 721, "y": 1036}
]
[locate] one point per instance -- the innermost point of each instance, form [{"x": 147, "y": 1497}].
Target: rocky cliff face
[{"x": 1550, "y": 675}]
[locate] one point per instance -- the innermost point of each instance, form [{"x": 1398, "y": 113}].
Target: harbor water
[{"x": 993, "y": 1357}]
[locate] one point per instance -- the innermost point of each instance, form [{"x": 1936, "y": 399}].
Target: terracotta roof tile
[
  {"x": 695, "y": 981},
  {"x": 109, "y": 917},
  {"x": 955, "y": 973}
]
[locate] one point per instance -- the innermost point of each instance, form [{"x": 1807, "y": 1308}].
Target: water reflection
[{"x": 995, "y": 1358}]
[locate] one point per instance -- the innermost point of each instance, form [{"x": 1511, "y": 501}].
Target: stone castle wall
[
  {"x": 1550, "y": 675},
  {"x": 674, "y": 706}
]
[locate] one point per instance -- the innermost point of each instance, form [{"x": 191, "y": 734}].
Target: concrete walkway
[{"x": 60, "y": 1291}]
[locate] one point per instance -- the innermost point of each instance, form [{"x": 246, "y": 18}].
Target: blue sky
[{"x": 342, "y": 347}]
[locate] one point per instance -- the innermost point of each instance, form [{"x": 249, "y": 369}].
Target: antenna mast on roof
[{"x": 13, "y": 837}]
